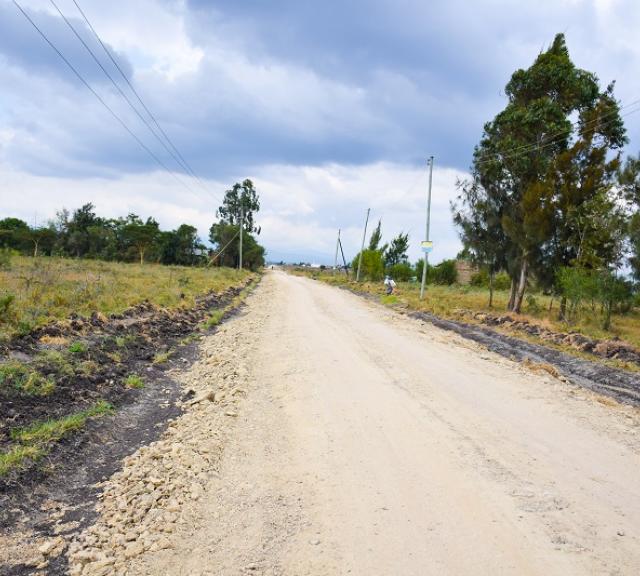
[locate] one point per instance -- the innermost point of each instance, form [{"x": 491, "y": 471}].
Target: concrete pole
[
  {"x": 241, "y": 234},
  {"x": 364, "y": 236},
  {"x": 335, "y": 260},
  {"x": 426, "y": 254}
]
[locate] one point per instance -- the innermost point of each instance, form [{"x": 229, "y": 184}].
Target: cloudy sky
[{"x": 330, "y": 107}]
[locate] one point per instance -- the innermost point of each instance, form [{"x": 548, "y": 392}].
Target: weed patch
[
  {"x": 17, "y": 457},
  {"x": 78, "y": 348},
  {"x": 16, "y": 378},
  {"x": 134, "y": 381},
  {"x": 32, "y": 441},
  {"x": 215, "y": 318}
]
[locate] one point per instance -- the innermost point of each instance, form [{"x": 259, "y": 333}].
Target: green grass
[
  {"x": 55, "y": 360},
  {"x": 134, "y": 381},
  {"x": 34, "y": 441},
  {"x": 215, "y": 318},
  {"x": 54, "y": 430},
  {"x": 162, "y": 357},
  {"x": 78, "y": 348},
  {"x": 17, "y": 456},
  {"x": 38, "y": 291},
  {"x": 17, "y": 378}
]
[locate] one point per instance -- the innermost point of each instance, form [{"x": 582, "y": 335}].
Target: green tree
[
  {"x": 396, "y": 252},
  {"x": 376, "y": 237},
  {"x": 226, "y": 236},
  {"x": 225, "y": 233},
  {"x": 478, "y": 216},
  {"x": 518, "y": 160},
  {"x": 372, "y": 265},
  {"x": 181, "y": 246},
  {"x": 140, "y": 236},
  {"x": 240, "y": 195},
  {"x": 13, "y": 232}
]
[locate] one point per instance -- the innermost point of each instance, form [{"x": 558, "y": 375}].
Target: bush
[
  {"x": 444, "y": 273},
  {"x": 372, "y": 265},
  {"x": 480, "y": 279},
  {"x": 6, "y": 255},
  {"x": 401, "y": 272},
  {"x": 5, "y": 304},
  {"x": 501, "y": 280},
  {"x": 578, "y": 284},
  {"x": 78, "y": 348}
]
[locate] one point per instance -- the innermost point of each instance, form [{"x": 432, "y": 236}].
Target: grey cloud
[{"x": 21, "y": 45}]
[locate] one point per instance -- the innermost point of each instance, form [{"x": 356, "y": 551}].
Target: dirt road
[{"x": 372, "y": 444}]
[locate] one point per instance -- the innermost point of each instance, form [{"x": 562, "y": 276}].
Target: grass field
[
  {"x": 456, "y": 302},
  {"x": 36, "y": 291}
]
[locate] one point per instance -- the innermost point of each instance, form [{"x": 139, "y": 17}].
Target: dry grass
[{"x": 46, "y": 289}]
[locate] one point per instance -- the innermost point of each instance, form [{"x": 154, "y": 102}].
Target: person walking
[{"x": 389, "y": 285}]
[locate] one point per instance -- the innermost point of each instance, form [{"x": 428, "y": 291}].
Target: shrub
[
  {"x": 444, "y": 273},
  {"x": 5, "y": 304},
  {"x": 6, "y": 255},
  {"x": 402, "y": 271},
  {"x": 532, "y": 304},
  {"x": 372, "y": 265},
  {"x": 501, "y": 280}
]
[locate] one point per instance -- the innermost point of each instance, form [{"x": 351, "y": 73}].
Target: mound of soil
[
  {"x": 108, "y": 351},
  {"x": 612, "y": 349}
]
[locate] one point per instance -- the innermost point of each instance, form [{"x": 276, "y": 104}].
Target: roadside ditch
[{"x": 84, "y": 394}]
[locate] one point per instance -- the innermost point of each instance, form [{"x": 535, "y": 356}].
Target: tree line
[
  {"x": 551, "y": 200},
  {"x": 84, "y": 234},
  {"x": 391, "y": 259}
]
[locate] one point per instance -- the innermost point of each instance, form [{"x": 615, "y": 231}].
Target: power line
[
  {"x": 100, "y": 99},
  {"x": 225, "y": 247},
  {"x": 106, "y": 73},
  {"x": 554, "y": 138},
  {"x": 184, "y": 162}
]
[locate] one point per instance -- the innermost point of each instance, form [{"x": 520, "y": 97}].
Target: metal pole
[
  {"x": 335, "y": 260},
  {"x": 364, "y": 236},
  {"x": 426, "y": 254},
  {"x": 241, "y": 234}
]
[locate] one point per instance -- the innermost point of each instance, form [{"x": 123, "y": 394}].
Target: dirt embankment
[
  {"x": 613, "y": 349},
  {"x": 90, "y": 359}
]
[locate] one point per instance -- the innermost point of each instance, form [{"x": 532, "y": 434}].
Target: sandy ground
[{"x": 339, "y": 437}]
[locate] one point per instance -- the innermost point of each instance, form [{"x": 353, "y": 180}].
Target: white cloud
[{"x": 303, "y": 207}]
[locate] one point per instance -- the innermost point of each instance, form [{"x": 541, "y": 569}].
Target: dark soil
[
  {"x": 60, "y": 488},
  {"x": 611, "y": 349}
]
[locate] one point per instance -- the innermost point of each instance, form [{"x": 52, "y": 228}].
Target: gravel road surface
[{"x": 329, "y": 435}]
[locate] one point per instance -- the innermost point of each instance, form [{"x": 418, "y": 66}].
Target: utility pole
[
  {"x": 364, "y": 235},
  {"x": 241, "y": 234},
  {"x": 426, "y": 254},
  {"x": 344, "y": 261},
  {"x": 335, "y": 260}
]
